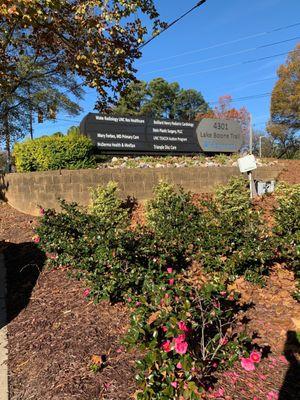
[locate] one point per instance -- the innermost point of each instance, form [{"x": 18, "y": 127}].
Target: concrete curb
[{"x": 3, "y": 333}]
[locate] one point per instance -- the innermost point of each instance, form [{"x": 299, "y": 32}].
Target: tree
[
  {"x": 37, "y": 94},
  {"x": 224, "y": 110},
  {"x": 285, "y": 106},
  {"x": 161, "y": 99},
  {"x": 97, "y": 41}
]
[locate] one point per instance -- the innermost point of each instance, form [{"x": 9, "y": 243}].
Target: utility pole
[
  {"x": 260, "y": 146},
  {"x": 250, "y": 135}
]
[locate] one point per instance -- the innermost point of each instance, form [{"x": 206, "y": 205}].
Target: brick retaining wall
[{"x": 26, "y": 191}]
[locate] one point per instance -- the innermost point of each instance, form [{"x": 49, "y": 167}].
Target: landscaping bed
[{"x": 59, "y": 333}]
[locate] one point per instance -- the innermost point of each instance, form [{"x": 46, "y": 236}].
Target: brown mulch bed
[{"x": 54, "y": 332}]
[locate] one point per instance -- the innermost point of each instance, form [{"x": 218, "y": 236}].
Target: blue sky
[{"x": 223, "y": 47}]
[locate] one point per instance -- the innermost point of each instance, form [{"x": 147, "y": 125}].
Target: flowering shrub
[
  {"x": 187, "y": 332},
  {"x": 188, "y": 335}
]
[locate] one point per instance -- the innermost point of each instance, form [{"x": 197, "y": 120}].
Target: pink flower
[
  {"x": 223, "y": 341},
  {"x": 174, "y": 384},
  {"x": 180, "y": 346},
  {"x": 165, "y": 329},
  {"x": 169, "y": 270},
  {"x": 166, "y": 346},
  {"x": 36, "y": 239},
  {"x": 138, "y": 303},
  {"x": 255, "y": 357},
  {"x": 129, "y": 299},
  {"x": 86, "y": 292},
  {"x": 166, "y": 296},
  {"x": 181, "y": 338},
  {"x": 179, "y": 365},
  {"x": 247, "y": 364},
  {"x": 182, "y": 326},
  {"x": 42, "y": 211},
  {"x": 171, "y": 281},
  {"x": 215, "y": 365},
  {"x": 272, "y": 395},
  {"x": 283, "y": 359},
  {"x": 224, "y": 294}
]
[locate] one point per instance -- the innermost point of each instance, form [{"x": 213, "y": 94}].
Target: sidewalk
[{"x": 3, "y": 333}]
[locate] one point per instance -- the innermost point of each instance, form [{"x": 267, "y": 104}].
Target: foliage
[
  {"x": 287, "y": 227},
  {"x": 285, "y": 109},
  {"x": 54, "y": 152},
  {"x": 175, "y": 222},
  {"x": 106, "y": 205},
  {"x": 234, "y": 238},
  {"x": 161, "y": 99},
  {"x": 97, "y": 41},
  {"x": 188, "y": 335}
]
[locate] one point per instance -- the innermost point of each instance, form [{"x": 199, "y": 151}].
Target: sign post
[{"x": 248, "y": 164}]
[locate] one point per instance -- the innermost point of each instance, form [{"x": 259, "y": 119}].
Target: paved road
[{"x": 3, "y": 334}]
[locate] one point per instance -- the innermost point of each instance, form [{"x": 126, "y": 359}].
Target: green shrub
[
  {"x": 234, "y": 237},
  {"x": 175, "y": 222},
  {"x": 54, "y": 152},
  {"x": 108, "y": 207},
  {"x": 286, "y": 232}
]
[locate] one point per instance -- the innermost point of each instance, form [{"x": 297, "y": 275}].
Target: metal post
[
  {"x": 260, "y": 147},
  {"x": 251, "y": 136},
  {"x": 250, "y": 184}
]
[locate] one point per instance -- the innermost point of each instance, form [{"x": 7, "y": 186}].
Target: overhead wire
[
  {"x": 224, "y": 43},
  {"x": 222, "y": 56},
  {"x": 233, "y": 64}
]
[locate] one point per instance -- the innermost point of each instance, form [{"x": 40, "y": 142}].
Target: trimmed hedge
[{"x": 54, "y": 152}]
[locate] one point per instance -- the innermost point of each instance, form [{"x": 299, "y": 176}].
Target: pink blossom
[
  {"x": 129, "y": 299},
  {"x": 223, "y": 341},
  {"x": 283, "y": 359},
  {"x": 223, "y": 293},
  {"x": 247, "y": 364},
  {"x": 182, "y": 326},
  {"x": 86, "y": 292},
  {"x": 180, "y": 346},
  {"x": 174, "y": 384},
  {"x": 169, "y": 270},
  {"x": 255, "y": 357},
  {"x": 166, "y": 346},
  {"x": 215, "y": 365},
  {"x": 138, "y": 303},
  {"x": 42, "y": 211},
  {"x": 164, "y": 328},
  {"x": 181, "y": 337},
  {"x": 171, "y": 281},
  {"x": 166, "y": 296},
  {"x": 179, "y": 365},
  {"x": 36, "y": 239},
  {"x": 272, "y": 395},
  {"x": 262, "y": 377}
]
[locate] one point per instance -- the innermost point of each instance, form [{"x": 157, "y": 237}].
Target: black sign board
[{"x": 129, "y": 135}]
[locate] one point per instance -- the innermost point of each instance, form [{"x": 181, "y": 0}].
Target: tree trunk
[{"x": 7, "y": 140}]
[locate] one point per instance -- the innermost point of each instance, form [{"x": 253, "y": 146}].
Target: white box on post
[{"x": 247, "y": 163}]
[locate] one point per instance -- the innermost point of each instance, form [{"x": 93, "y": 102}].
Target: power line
[
  {"x": 223, "y": 56},
  {"x": 224, "y": 43},
  {"x": 172, "y": 24},
  {"x": 255, "y": 96},
  {"x": 233, "y": 65}
]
